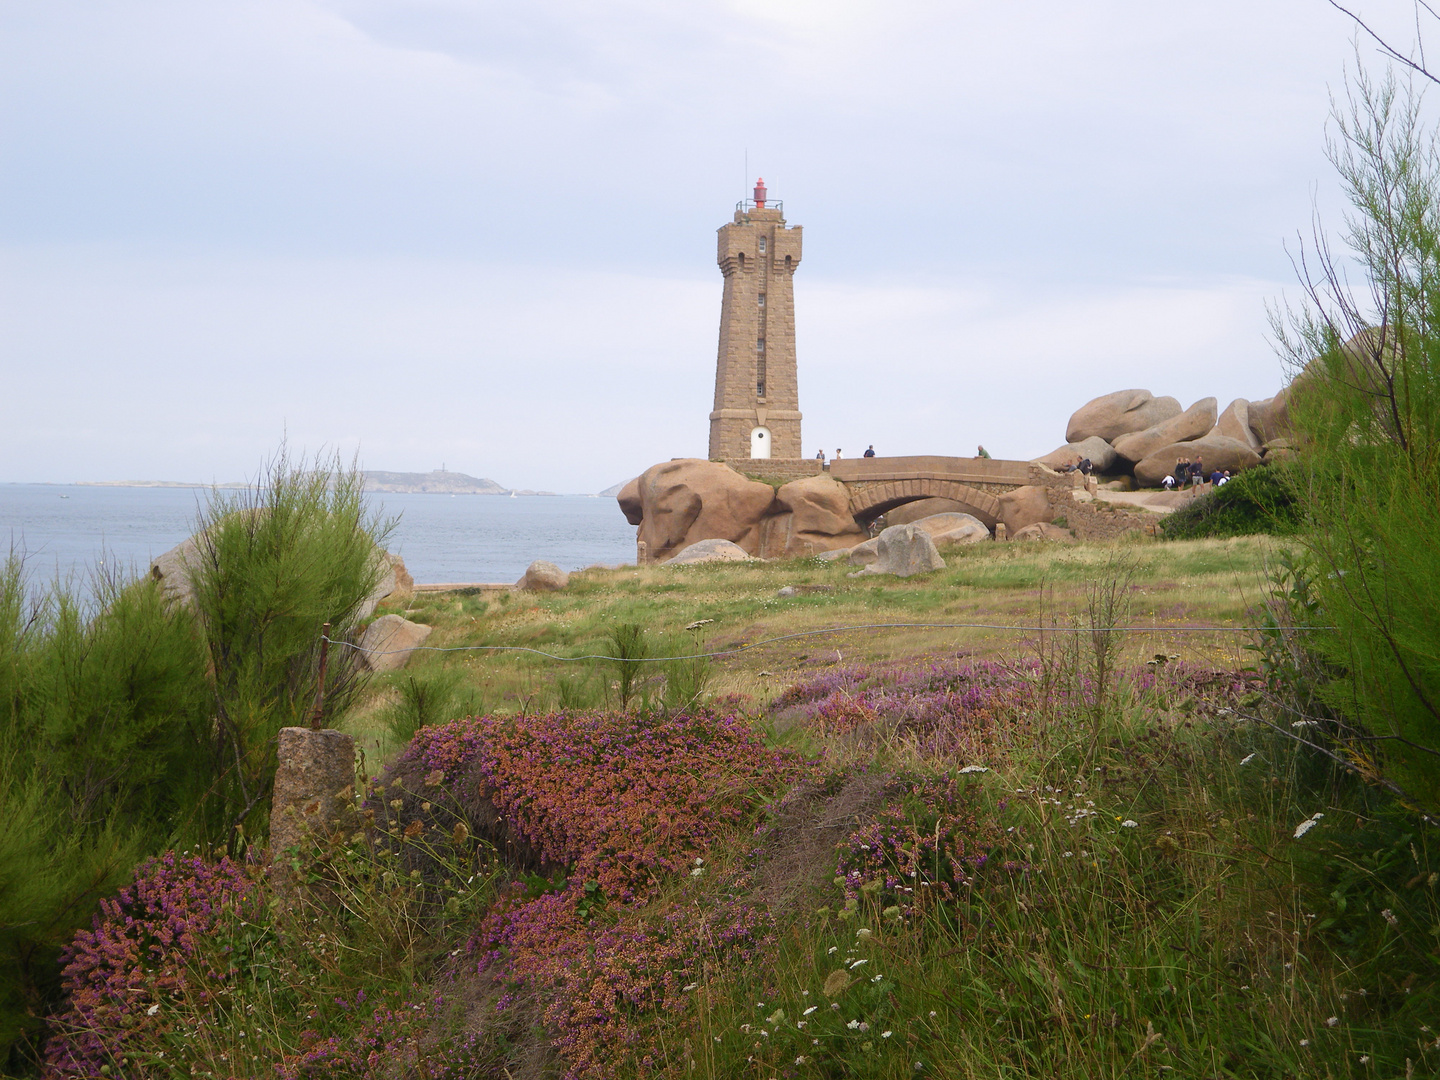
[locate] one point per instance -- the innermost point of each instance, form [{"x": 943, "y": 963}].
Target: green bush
[
  {"x": 433, "y": 696},
  {"x": 275, "y": 564},
  {"x": 101, "y": 708},
  {"x": 130, "y": 723},
  {"x": 1255, "y": 501},
  {"x": 1367, "y": 403}
]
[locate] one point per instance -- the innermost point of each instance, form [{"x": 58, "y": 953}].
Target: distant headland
[{"x": 435, "y": 482}]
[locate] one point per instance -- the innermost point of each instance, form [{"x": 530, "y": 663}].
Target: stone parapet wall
[
  {"x": 1086, "y": 516},
  {"x": 783, "y": 469}
]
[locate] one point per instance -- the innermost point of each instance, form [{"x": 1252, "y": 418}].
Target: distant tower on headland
[{"x": 757, "y": 398}]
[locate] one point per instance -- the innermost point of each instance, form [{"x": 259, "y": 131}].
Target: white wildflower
[
  {"x": 152, "y": 1010},
  {"x": 689, "y": 986},
  {"x": 1332, "y": 1021},
  {"x": 974, "y": 769},
  {"x": 699, "y": 861},
  {"x": 853, "y": 1024},
  {"x": 1389, "y": 917},
  {"x": 1247, "y": 759},
  {"x": 1304, "y": 1042},
  {"x": 1129, "y": 823},
  {"x": 810, "y": 1010},
  {"x": 858, "y": 963},
  {"x": 1305, "y": 724},
  {"x": 862, "y": 933},
  {"x": 832, "y": 950},
  {"x": 886, "y": 1034},
  {"x": 1306, "y": 825},
  {"x": 697, "y": 871}
]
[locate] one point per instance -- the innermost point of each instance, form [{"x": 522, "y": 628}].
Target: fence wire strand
[{"x": 817, "y": 633}]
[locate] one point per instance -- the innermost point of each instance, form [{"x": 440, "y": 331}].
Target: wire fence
[{"x": 736, "y": 650}]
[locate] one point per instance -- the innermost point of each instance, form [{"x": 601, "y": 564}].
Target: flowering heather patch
[
  {"x": 920, "y": 851},
  {"x": 136, "y": 958},
  {"x": 944, "y": 707},
  {"x": 609, "y": 989},
  {"x": 397, "y": 1040},
  {"x": 619, "y": 799}
]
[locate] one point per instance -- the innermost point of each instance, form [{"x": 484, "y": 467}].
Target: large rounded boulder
[
  {"x": 710, "y": 551},
  {"x": 1191, "y": 424},
  {"x": 1234, "y": 423},
  {"x": 1118, "y": 414},
  {"x": 905, "y": 550},
  {"x": 808, "y": 517},
  {"x": 1213, "y": 451},
  {"x": 954, "y": 528},
  {"x": 687, "y": 500},
  {"x": 1101, "y": 454},
  {"x": 1023, "y": 507}
]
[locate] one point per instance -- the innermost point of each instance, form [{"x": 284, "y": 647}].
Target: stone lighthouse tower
[{"x": 757, "y": 399}]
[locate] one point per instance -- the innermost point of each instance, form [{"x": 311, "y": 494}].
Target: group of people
[
  {"x": 870, "y": 452},
  {"x": 1193, "y": 473}
]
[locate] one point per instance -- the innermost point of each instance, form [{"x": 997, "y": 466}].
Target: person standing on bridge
[
  {"x": 871, "y": 451},
  {"x": 981, "y": 452}
]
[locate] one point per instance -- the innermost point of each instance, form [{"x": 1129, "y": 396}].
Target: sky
[{"x": 480, "y": 234}]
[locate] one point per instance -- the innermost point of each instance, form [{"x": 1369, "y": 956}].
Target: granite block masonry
[{"x": 757, "y": 397}]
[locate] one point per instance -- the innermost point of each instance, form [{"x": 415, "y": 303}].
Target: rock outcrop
[
  {"x": 542, "y": 576},
  {"x": 866, "y": 553},
  {"x": 1044, "y": 530},
  {"x": 954, "y": 528},
  {"x": 173, "y": 570},
  {"x": 1101, "y": 454},
  {"x": 903, "y": 551},
  {"x": 688, "y": 500},
  {"x": 922, "y": 508},
  {"x": 809, "y": 516},
  {"x": 1214, "y": 451},
  {"x": 389, "y": 642},
  {"x": 1024, "y": 506},
  {"x": 708, "y": 551},
  {"x": 1118, "y": 414},
  {"x": 1234, "y": 423},
  {"x": 1191, "y": 424}
]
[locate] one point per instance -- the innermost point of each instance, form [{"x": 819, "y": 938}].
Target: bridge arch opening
[{"x": 870, "y": 501}]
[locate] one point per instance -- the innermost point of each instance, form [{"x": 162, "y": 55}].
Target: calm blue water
[{"x": 72, "y": 529}]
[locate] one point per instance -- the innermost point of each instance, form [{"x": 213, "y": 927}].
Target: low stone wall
[
  {"x": 1090, "y": 519},
  {"x": 782, "y": 469}
]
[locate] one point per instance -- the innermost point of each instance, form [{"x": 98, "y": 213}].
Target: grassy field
[
  {"x": 1206, "y": 583},
  {"x": 1093, "y": 846}
]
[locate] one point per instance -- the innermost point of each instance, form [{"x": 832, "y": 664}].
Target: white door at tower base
[{"x": 760, "y": 442}]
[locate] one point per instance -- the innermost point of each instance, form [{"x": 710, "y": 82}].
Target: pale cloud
[{"x": 481, "y": 232}]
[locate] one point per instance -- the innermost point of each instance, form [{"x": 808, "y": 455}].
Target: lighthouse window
[
  {"x": 762, "y": 245},
  {"x": 762, "y": 299},
  {"x": 760, "y": 344}
]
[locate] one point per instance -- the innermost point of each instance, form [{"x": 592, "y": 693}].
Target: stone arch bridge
[{"x": 879, "y": 484}]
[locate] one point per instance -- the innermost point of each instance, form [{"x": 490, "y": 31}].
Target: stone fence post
[{"x": 314, "y": 794}]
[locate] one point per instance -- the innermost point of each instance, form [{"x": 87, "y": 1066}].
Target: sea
[{"x": 73, "y": 531}]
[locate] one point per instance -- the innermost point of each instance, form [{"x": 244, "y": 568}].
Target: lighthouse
[{"x": 757, "y": 397}]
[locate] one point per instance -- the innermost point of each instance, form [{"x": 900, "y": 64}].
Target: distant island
[{"x": 435, "y": 482}]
